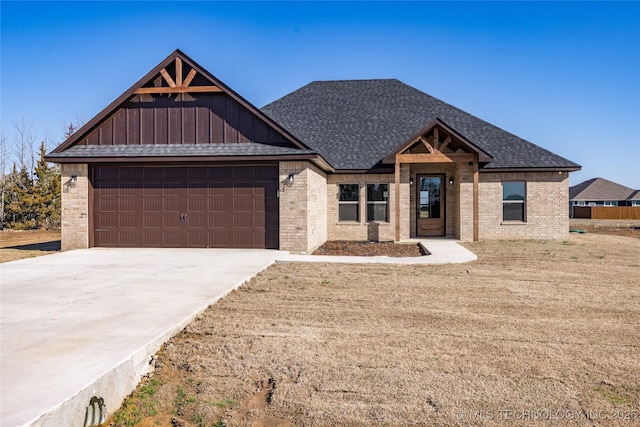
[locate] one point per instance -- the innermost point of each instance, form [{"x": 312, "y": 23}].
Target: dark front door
[
  {"x": 430, "y": 205},
  {"x": 198, "y": 207}
]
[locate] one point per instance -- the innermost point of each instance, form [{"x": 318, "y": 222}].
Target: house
[
  {"x": 602, "y": 192},
  {"x": 181, "y": 160}
]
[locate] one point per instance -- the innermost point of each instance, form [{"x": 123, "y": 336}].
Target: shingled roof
[
  {"x": 354, "y": 124},
  {"x": 597, "y": 189}
]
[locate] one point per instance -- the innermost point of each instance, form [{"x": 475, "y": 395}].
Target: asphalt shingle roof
[
  {"x": 178, "y": 150},
  {"x": 597, "y": 189},
  {"x": 354, "y": 124}
]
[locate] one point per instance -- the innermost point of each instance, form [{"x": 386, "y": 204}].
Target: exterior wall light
[
  {"x": 451, "y": 181},
  {"x": 291, "y": 176},
  {"x": 410, "y": 181}
]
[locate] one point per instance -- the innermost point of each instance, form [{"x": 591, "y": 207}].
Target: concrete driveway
[{"x": 86, "y": 323}]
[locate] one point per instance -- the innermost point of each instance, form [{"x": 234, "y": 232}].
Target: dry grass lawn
[
  {"x": 533, "y": 331},
  {"x": 15, "y": 245}
]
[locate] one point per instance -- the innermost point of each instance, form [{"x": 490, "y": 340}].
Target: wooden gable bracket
[
  {"x": 427, "y": 145},
  {"x": 436, "y": 152},
  {"x": 177, "y": 85}
]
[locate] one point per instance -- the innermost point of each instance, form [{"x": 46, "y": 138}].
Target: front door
[{"x": 430, "y": 205}]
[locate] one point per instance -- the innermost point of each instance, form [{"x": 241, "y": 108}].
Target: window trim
[
  {"x": 349, "y": 202},
  {"x": 523, "y": 202},
  {"x": 377, "y": 202}
]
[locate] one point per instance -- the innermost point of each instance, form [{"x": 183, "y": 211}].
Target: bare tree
[
  {"x": 4, "y": 161},
  {"x": 25, "y": 145}
]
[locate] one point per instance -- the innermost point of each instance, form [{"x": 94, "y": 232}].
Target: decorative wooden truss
[
  {"x": 177, "y": 85},
  {"x": 437, "y": 151}
]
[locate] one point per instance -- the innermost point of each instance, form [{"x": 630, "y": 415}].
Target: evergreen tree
[
  {"x": 46, "y": 193},
  {"x": 20, "y": 211}
]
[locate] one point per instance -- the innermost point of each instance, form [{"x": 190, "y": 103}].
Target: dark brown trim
[
  {"x": 160, "y": 159},
  {"x": 443, "y": 201},
  {"x": 91, "y": 230},
  {"x": 567, "y": 169},
  {"x": 183, "y": 164},
  {"x": 365, "y": 171}
]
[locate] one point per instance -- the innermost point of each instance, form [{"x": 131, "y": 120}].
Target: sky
[{"x": 563, "y": 75}]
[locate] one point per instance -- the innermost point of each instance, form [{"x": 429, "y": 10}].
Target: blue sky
[{"x": 565, "y": 76}]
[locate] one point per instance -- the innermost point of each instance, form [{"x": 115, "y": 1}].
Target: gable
[
  {"x": 179, "y": 103},
  {"x": 437, "y": 142}
]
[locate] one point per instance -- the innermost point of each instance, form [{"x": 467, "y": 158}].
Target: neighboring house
[
  {"x": 181, "y": 160},
  {"x": 602, "y": 192}
]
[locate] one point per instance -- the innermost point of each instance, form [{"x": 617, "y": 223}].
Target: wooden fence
[{"x": 607, "y": 212}]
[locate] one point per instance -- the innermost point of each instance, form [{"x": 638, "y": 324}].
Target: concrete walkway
[{"x": 86, "y": 323}]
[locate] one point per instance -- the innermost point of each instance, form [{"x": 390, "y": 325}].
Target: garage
[{"x": 185, "y": 206}]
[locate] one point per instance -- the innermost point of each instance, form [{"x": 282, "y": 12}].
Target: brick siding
[
  {"x": 75, "y": 207},
  {"x": 303, "y": 208},
  {"x": 546, "y": 210}
]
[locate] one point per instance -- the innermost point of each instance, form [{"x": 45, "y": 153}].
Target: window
[
  {"x": 635, "y": 203},
  {"x": 513, "y": 201},
  {"x": 377, "y": 202},
  {"x": 611, "y": 203},
  {"x": 348, "y": 202}
]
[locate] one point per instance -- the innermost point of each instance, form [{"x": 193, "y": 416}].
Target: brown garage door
[{"x": 217, "y": 207}]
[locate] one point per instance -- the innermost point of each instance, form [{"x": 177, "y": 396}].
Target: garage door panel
[
  {"x": 172, "y": 204},
  {"x": 243, "y": 239},
  {"x": 219, "y": 220},
  {"x": 129, "y": 204},
  {"x": 107, "y": 220},
  {"x": 152, "y": 220},
  {"x": 233, "y": 206},
  {"x": 152, "y": 189},
  {"x": 220, "y": 237},
  {"x": 218, "y": 204},
  {"x": 150, "y": 205},
  {"x": 172, "y": 220},
  {"x": 174, "y": 238},
  {"x": 198, "y": 239},
  {"x": 242, "y": 204},
  {"x": 197, "y": 204},
  {"x": 198, "y": 220},
  {"x": 107, "y": 204},
  {"x": 129, "y": 238},
  {"x": 171, "y": 188},
  {"x": 240, "y": 190},
  {"x": 153, "y": 238},
  {"x": 129, "y": 220}
]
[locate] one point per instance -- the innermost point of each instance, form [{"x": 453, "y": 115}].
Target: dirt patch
[
  {"x": 532, "y": 330},
  {"x": 15, "y": 245},
  {"x": 350, "y": 248},
  {"x": 612, "y": 227}
]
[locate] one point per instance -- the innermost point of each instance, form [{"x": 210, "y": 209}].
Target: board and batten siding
[{"x": 199, "y": 118}]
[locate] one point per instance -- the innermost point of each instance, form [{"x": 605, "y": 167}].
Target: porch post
[
  {"x": 397, "y": 193},
  {"x": 476, "y": 179}
]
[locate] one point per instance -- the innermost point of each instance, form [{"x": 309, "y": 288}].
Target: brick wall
[
  {"x": 316, "y": 207},
  {"x": 303, "y": 208},
  {"x": 75, "y": 207},
  {"x": 547, "y": 215},
  {"x": 361, "y": 230}
]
